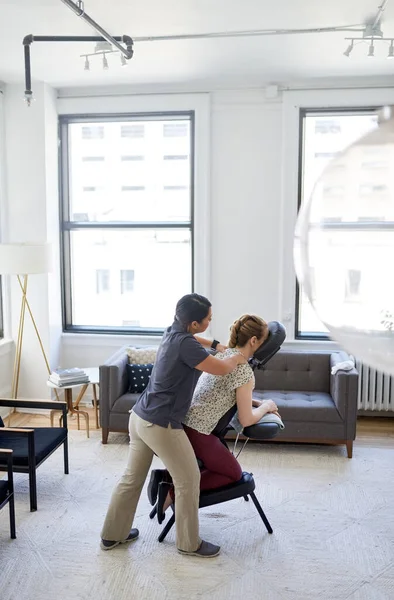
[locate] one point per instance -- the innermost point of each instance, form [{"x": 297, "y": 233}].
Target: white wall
[
  {"x": 246, "y": 201},
  {"x": 250, "y": 155},
  {"x": 32, "y": 200}
]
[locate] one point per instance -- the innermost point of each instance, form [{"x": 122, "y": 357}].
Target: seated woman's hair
[
  {"x": 192, "y": 307},
  {"x": 245, "y": 328}
]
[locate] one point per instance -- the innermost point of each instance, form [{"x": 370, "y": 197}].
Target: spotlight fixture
[
  {"x": 349, "y": 49},
  {"x": 123, "y": 61},
  {"x": 391, "y": 50},
  {"x": 371, "y": 51},
  {"x": 105, "y": 63},
  {"x": 87, "y": 64}
]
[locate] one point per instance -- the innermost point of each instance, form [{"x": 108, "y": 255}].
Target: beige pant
[{"x": 176, "y": 452}]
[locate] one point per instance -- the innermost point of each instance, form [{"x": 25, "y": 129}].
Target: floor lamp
[{"x": 23, "y": 260}]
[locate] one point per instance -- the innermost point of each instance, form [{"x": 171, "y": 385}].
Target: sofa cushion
[
  {"x": 125, "y": 403},
  {"x": 302, "y": 406},
  {"x": 298, "y": 371},
  {"x": 46, "y": 439},
  {"x": 138, "y": 376},
  {"x": 141, "y": 356}
]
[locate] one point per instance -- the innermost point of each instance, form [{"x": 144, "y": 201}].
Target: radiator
[{"x": 375, "y": 389}]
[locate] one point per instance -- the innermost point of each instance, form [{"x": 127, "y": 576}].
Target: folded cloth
[
  {"x": 268, "y": 418},
  {"x": 346, "y": 365}
]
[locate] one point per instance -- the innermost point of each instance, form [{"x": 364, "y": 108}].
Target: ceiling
[{"x": 221, "y": 62}]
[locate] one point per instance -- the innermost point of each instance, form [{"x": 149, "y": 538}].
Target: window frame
[
  {"x": 302, "y": 114},
  {"x": 66, "y": 225}
]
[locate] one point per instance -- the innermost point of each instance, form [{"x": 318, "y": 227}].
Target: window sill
[
  {"x": 93, "y": 339},
  {"x": 312, "y": 345}
]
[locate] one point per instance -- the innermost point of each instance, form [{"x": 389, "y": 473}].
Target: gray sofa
[{"x": 316, "y": 407}]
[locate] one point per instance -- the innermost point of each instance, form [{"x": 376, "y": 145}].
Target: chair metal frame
[{"x": 6, "y": 455}]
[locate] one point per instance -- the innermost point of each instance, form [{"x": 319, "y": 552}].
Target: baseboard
[
  {"x": 383, "y": 414},
  {"x": 4, "y": 412}
]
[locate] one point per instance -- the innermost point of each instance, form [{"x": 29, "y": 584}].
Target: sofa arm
[
  {"x": 113, "y": 383},
  {"x": 344, "y": 392}
]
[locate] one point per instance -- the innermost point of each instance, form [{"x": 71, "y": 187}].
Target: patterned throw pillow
[
  {"x": 141, "y": 356},
  {"x": 139, "y": 376}
]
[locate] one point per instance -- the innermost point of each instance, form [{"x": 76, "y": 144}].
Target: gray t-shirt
[{"x": 169, "y": 393}]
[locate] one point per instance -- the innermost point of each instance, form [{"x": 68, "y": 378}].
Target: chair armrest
[
  {"x": 27, "y": 403},
  {"x": 16, "y": 430},
  {"x": 113, "y": 383},
  {"x": 344, "y": 392},
  {"x": 6, "y": 453}
]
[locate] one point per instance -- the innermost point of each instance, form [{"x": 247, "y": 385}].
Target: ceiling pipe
[
  {"x": 29, "y": 39},
  {"x": 79, "y": 10},
  {"x": 378, "y": 17}
]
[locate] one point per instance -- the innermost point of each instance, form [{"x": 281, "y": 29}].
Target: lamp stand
[{"x": 17, "y": 362}]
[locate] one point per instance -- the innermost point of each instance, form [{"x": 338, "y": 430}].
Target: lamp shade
[{"x": 25, "y": 259}]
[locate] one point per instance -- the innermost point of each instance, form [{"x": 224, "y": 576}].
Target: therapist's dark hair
[{"x": 192, "y": 307}]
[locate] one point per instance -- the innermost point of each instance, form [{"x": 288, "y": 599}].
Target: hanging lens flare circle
[{"x": 344, "y": 249}]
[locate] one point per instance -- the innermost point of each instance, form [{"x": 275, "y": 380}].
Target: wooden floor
[{"x": 371, "y": 431}]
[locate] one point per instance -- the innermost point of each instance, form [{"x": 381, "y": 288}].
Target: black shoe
[
  {"x": 162, "y": 494},
  {"x": 205, "y": 550},
  {"x": 156, "y": 477},
  {"x": 108, "y": 544}
]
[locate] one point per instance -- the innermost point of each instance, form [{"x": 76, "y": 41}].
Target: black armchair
[
  {"x": 7, "y": 489},
  {"x": 32, "y": 446}
]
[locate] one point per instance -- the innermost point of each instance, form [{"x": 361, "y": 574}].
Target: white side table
[{"x": 68, "y": 395}]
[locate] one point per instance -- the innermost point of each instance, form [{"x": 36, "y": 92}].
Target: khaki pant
[{"x": 174, "y": 449}]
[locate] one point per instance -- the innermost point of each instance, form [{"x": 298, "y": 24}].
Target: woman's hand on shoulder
[{"x": 221, "y": 348}]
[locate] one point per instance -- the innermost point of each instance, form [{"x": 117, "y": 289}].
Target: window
[
  {"x": 352, "y": 288},
  {"x": 126, "y": 281},
  {"x": 367, "y": 189},
  {"x": 136, "y": 130},
  {"x": 102, "y": 281},
  {"x": 324, "y": 135},
  {"x": 133, "y": 188},
  {"x": 93, "y": 158},
  {"x": 175, "y": 130},
  {"x": 327, "y": 126},
  {"x": 127, "y": 222},
  {"x": 175, "y": 157},
  {"x": 132, "y": 158},
  {"x": 93, "y": 133}
]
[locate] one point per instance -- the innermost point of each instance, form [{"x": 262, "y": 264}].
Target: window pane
[
  {"x": 118, "y": 277},
  {"x": 121, "y": 171},
  {"x": 350, "y": 258},
  {"x": 325, "y": 136}
]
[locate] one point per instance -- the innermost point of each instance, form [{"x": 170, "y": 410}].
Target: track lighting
[
  {"x": 349, "y": 49},
  {"x": 103, "y": 49},
  {"x": 372, "y": 41}
]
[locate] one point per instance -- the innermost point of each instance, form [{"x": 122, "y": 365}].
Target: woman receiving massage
[{"x": 214, "y": 395}]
